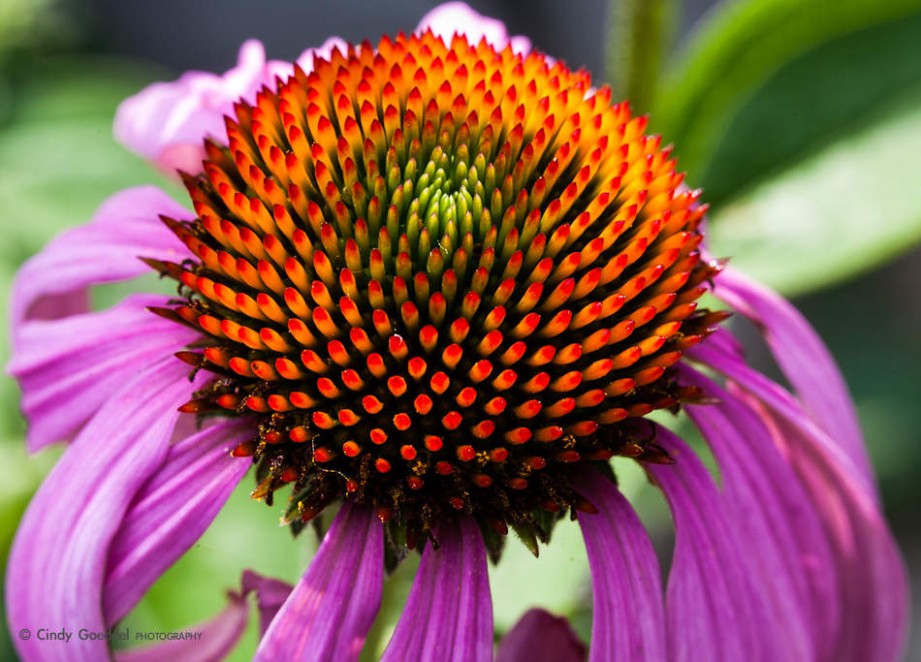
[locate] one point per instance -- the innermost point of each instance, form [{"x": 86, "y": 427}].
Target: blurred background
[{"x": 801, "y": 121}]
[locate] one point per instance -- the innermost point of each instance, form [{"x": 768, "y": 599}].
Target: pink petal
[
  {"x": 54, "y": 283},
  {"x": 306, "y": 59},
  {"x": 215, "y": 639},
  {"x": 804, "y": 359},
  {"x": 329, "y": 612},
  {"x": 780, "y": 530},
  {"x": 541, "y": 637},
  {"x": 714, "y": 606},
  {"x": 270, "y": 593},
  {"x": 452, "y": 18},
  {"x": 712, "y": 354},
  {"x": 448, "y": 616},
  {"x": 68, "y": 368},
  {"x": 57, "y": 563},
  {"x": 172, "y": 511},
  {"x": 628, "y": 614},
  {"x": 869, "y": 572},
  {"x": 168, "y": 122}
]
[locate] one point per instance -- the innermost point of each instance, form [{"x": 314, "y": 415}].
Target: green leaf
[
  {"x": 739, "y": 47},
  {"x": 843, "y": 211},
  {"x": 823, "y": 96}
]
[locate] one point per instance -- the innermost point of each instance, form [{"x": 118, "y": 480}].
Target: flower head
[{"x": 437, "y": 282}]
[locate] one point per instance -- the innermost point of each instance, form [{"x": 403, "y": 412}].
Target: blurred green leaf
[
  {"x": 245, "y": 534},
  {"x": 58, "y": 159},
  {"x": 739, "y": 47},
  {"x": 841, "y": 212},
  {"x": 825, "y": 95},
  {"x": 559, "y": 579}
]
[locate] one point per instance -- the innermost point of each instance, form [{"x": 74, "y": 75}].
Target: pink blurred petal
[
  {"x": 448, "y": 616},
  {"x": 803, "y": 358},
  {"x": 305, "y": 59},
  {"x": 168, "y": 122},
  {"x": 328, "y": 614},
  {"x": 105, "y": 250},
  {"x": 452, "y": 18},
  {"x": 715, "y": 607},
  {"x": 780, "y": 530},
  {"x": 270, "y": 596},
  {"x": 171, "y": 512},
  {"x": 58, "y": 560},
  {"x": 68, "y": 368},
  {"x": 218, "y": 637},
  {"x": 628, "y": 612},
  {"x": 541, "y": 637}
]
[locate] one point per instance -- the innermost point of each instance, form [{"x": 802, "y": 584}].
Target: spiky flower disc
[{"x": 437, "y": 277}]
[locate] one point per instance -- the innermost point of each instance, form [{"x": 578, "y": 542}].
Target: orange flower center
[{"x": 436, "y": 277}]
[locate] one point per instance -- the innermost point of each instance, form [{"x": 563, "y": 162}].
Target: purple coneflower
[{"x": 433, "y": 284}]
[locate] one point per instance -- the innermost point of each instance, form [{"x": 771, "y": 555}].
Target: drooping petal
[
  {"x": 448, "y": 616},
  {"x": 210, "y": 641},
  {"x": 457, "y": 17},
  {"x": 168, "y": 122},
  {"x": 328, "y": 614},
  {"x": 779, "y": 399},
  {"x": 804, "y": 359},
  {"x": 55, "y": 282},
  {"x": 541, "y": 637},
  {"x": 172, "y": 511},
  {"x": 628, "y": 611},
  {"x": 780, "y": 530},
  {"x": 67, "y": 368},
  {"x": 57, "y": 563},
  {"x": 869, "y": 571},
  {"x": 715, "y": 608},
  {"x": 270, "y": 596}
]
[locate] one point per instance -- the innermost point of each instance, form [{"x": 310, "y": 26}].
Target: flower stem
[{"x": 639, "y": 35}]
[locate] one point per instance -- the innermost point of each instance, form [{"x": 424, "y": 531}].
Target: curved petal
[
  {"x": 168, "y": 122},
  {"x": 804, "y": 359},
  {"x": 210, "y": 641},
  {"x": 55, "y": 282},
  {"x": 869, "y": 572},
  {"x": 57, "y": 563},
  {"x": 172, "y": 511},
  {"x": 68, "y": 368},
  {"x": 329, "y": 612},
  {"x": 779, "y": 528},
  {"x": 715, "y": 608},
  {"x": 452, "y": 18},
  {"x": 628, "y": 614},
  {"x": 541, "y": 637},
  {"x": 448, "y": 616}
]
